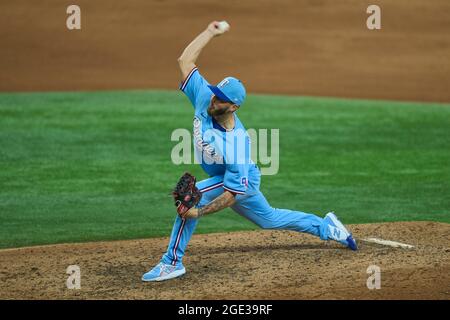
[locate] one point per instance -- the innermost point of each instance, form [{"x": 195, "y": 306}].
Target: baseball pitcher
[{"x": 222, "y": 147}]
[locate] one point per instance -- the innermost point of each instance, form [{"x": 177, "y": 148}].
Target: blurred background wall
[{"x": 304, "y": 47}]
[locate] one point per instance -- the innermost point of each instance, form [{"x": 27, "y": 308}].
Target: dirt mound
[
  {"x": 241, "y": 265},
  {"x": 306, "y": 47}
]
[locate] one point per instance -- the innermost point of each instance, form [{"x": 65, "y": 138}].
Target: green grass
[{"x": 96, "y": 166}]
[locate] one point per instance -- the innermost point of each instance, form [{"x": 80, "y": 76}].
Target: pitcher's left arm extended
[{"x": 225, "y": 200}]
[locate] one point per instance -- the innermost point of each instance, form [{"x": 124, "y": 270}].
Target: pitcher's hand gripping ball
[{"x": 186, "y": 194}]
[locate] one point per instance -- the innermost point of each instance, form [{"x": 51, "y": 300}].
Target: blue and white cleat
[
  {"x": 163, "y": 272},
  {"x": 338, "y": 232}
]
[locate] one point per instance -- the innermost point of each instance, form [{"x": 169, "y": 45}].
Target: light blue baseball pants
[{"x": 253, "y": 207}]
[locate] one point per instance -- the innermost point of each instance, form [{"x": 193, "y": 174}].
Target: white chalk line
[{"x": 389, "y": 243}]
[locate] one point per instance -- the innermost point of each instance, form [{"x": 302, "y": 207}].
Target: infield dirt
[{"x": 241, "y": 265}]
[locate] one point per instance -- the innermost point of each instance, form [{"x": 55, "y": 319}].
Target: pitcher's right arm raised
[{"x": 189, "y": 56}]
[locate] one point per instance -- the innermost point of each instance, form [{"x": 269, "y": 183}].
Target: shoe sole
[{"x": 169, "y": 276}]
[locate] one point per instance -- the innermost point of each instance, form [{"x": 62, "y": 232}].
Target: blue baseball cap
[{"x": 230, "y": 90}]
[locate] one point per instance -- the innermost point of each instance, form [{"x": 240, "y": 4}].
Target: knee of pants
[
  {"x": 267, "y": 222},
  {"x": 267, "y": 225},
  {"x": 262, "y": 222}
]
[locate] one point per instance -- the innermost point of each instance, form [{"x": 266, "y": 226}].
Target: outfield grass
[{"x": 96, "y": 166}]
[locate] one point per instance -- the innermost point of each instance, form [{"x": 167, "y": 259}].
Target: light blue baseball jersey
[{"x": 220, "y": 152}]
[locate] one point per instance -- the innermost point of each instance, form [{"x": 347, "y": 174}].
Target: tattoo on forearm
[{"x": 221, "y": 202}]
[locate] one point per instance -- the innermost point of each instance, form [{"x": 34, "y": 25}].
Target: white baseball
[{"x": 223, "y": 26}]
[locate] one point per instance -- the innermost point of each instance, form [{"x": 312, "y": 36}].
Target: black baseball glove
[{"x": 186, "y": 194}]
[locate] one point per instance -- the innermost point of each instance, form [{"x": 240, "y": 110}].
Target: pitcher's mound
[{"x": 242, "y": 265}]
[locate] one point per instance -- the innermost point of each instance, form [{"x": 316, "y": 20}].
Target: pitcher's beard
[{"x": 216, "y": 112}]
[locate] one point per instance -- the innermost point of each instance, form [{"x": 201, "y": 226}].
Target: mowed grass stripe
[{"x": 96, "y": 165}]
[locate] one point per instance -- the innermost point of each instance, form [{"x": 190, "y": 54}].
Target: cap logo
[{"x": 223, "y": 83}]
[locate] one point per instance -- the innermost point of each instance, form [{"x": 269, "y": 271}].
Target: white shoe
[{"x": 338, "y": 232}]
